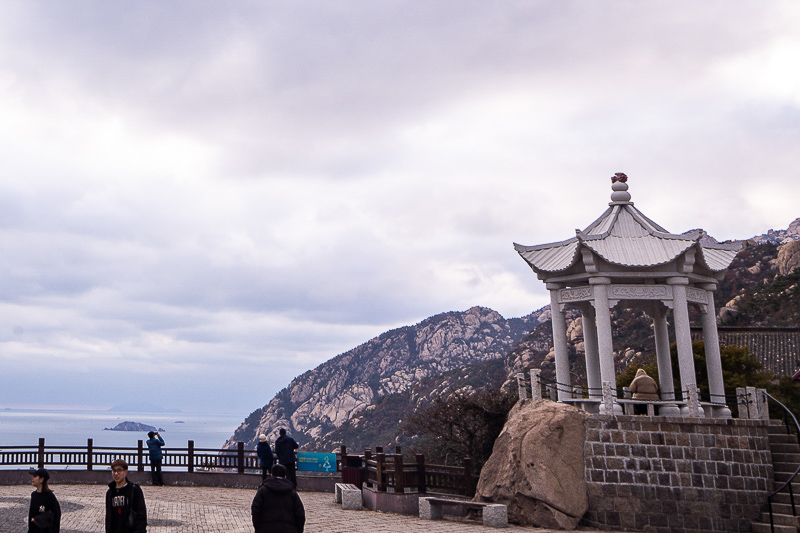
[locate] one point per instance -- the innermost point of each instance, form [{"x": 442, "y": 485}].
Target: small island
[{"x": 133, "y": 426}]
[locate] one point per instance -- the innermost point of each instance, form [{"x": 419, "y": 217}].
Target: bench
[
  {"x": 493, "y": 514},
  {"x": 349, "y": 496}
]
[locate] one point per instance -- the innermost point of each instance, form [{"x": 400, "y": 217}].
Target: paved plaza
[{"x": 215, "y": 510}]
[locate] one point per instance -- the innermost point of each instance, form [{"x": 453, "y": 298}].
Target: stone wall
[{"x": 675, "y": 474}]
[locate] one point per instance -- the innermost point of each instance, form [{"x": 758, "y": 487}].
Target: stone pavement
[{"x": 215, "y": 510}]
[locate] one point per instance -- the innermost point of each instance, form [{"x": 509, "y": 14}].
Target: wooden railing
[
  {"x": 387, "y": 472},
  {"x": 381, "y": 471},
  {"x": 189, "y": 459}
]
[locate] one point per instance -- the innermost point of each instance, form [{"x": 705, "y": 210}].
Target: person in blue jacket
[
  {"x": 154, "y": 444},
  {"x": 265, "y": 457}
]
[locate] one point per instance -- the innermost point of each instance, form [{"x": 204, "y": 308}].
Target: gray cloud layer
[{"x": 208, "y": 199}]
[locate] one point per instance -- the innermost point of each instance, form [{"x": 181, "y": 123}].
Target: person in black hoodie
[
  {"x": 125, "y": 508},
  {"x": 284, "y": 449},
  {"x": 44, "y": 515},
  {"x": 276, "y": 507}
]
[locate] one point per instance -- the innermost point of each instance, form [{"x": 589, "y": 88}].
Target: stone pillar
[
  {"x": 564, "y": 385},
  {"x": 605, "y": 343},
  {"x": 683, "y": 334},
  {"x": 592, "y": 356},
  {"x": 716, "y": 386},
  {"x": 664, "y": 358}
]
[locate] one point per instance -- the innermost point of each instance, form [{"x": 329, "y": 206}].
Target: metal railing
[{"x": 788, "y": 484}]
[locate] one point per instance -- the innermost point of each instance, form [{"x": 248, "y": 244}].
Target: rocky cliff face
[
  {"x": 360, "y": 397},
  {"x": 322, "y": 400}
]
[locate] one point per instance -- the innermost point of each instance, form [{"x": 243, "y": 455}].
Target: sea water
[{"x": 22, "y": 427}]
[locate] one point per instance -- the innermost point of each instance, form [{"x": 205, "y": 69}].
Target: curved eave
[
  {"x": 553, "y": 257},
  {"x": 719, "y": 257},
  {"x": 646, "y": 251}
]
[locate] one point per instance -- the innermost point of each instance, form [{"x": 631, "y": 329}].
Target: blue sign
[{"x": 316, "y": 462}]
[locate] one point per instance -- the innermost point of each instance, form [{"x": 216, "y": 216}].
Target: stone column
[
  {"x": 605, "y": 343},
  {"x": 664, "y": 358},
  {"x": 593, "y": 380},
  {"x": 716, "y": 386},
  {"x": 683, "y": 334},
  {"x": 564, "y": 385}
]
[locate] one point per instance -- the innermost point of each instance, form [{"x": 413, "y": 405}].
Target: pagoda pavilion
[{"x": 623, "y": 259}]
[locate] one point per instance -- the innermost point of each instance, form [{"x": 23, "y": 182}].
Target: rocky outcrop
[
  {"x": 132, "y": 426},
  {"x": 335, "y": 393},
  {"x": 782, "y": 236},
  {"x": 537, "y": 464},
  {"x": 789, "y": 256}
]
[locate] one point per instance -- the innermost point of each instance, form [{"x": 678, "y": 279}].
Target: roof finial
[{"x": 620, "y": 187}]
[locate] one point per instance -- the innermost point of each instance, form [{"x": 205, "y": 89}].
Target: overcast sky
[{"x": 201, "y": 200}]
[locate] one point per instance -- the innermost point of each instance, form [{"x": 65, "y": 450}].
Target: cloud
[{"x": 218, "y": 197}]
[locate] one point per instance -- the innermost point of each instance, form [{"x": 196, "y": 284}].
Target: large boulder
[
  {"x": 536, "y": 467},
  {"x": 788, "y": 257}
]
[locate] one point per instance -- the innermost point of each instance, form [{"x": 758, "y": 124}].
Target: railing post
[
  {"x": 240, "y": 456},
  {"x": 521, "y": 388},
  {"x": 367, "y": 457},
  {"x": 140, "y": 457},
  {"x": 40, "y": 461},
  {"x": 693, "y": 402},
  {"x": 536, "y": 383},
  {"x": 608, "y": 399},
  {"x": 469, "y": 481},
  {"x": 421, "y": 486},
  {"x": 399, "y": 481},
  {"x": 89, "y": 453},
  {"x": 742, "y": 403},
  {"x": 380, "y": 458},
  {"x": 763, "y": 406},
  {"x": 190, "y": 456},
  {"x": 552, "y": 392}
]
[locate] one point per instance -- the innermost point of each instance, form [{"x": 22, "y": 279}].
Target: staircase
[{"x": 785, "y": 459}]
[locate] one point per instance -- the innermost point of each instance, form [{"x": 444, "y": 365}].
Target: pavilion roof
[{"x": 626, "y": 237}]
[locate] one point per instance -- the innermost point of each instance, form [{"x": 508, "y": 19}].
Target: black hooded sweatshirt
[{"x": 277, "y": 508}]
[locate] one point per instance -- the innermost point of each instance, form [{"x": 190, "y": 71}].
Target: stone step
[
  {"x": 759, "y": 527},
  {"x": 782, "y": 438},
  {"x": 784, "y": 448},
  {"x": 782, "y": 519},
  {"x": 783, "y": 497},
  {"x": 777, "y": 429},
  {"x": 784, "y": 508},
  {"x": 793, "y": 458},
  {"x": 789, "y": 468},
  {"x": 783, "y": 477}
]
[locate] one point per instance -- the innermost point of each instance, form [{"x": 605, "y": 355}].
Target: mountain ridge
[{"x": 360, "y": 396}]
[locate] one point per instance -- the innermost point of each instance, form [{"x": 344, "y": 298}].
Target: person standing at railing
[
  {"x": 265, "y": 457},
  {"x": 154, "y": 444},
  {"x": 284, "y": 449},
  {"x": 126, "y": 511},
  {"x": 44, "y": 515}
]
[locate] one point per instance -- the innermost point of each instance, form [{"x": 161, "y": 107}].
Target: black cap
[{"x": 41, "y": 472}]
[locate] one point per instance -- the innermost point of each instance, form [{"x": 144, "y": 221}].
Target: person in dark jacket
[
  {"x": 284, "y": 449},
  {"x": 125, "y": 508},
  {"x": 265, "y": 457},
  {"x": 154, "y": 444},
  {"x": 276, "y": 507},
  {"x": 44, "y": 515}
]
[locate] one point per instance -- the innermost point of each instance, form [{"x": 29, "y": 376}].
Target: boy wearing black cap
[{"x": 44, "y": 514}]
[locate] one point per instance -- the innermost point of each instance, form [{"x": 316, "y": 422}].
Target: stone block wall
[{"x": 665, "y": 474}]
